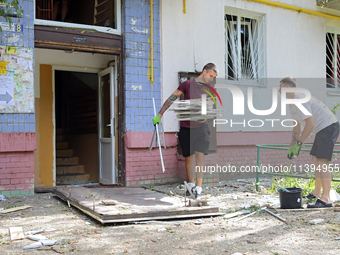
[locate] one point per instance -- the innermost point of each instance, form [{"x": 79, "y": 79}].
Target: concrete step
[
  {"x": 75, "y": 177},
  {"x": 62, "y": 145},
  {"x": 67, "y": 161},
  {"x": 60, "y": 131},
  {"x": 59, "y": 138},
  {"x": 70, "y": 169},
  {"x": 64, "y": 153}
]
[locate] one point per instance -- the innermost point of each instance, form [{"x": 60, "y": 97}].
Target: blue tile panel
[
  {"x": 139, "y": 90},
  {"x": 23, "y": 34},
  {"x": 17, "y": 122}
]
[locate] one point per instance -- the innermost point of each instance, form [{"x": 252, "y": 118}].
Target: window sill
[
  {"x": 74, "y": 25},
  {"x": 333, "y": 93}
]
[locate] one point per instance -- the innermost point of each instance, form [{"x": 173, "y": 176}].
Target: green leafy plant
[{"x": 9, "y": 9}]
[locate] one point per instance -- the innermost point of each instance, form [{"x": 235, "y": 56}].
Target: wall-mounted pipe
[{"x": 294, "y": 8}]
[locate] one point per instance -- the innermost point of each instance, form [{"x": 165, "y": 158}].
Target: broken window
[
  {"x": 102, "y": 13},
  {"x": 244, "y": 34},
  {"x": 332, "y": 60}
]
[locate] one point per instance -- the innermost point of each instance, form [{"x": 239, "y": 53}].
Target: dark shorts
[
  {"x": 194, "y": 139},
  {"x": 325, "y": 139}
]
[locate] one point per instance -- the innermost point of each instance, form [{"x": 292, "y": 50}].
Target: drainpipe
[{"x": 293, "y": 8}]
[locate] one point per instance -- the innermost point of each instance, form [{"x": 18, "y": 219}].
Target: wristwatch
[{"x": 299, "y": 143}]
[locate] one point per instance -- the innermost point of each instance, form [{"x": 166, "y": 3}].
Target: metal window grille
[
  {"x": 332, "y": 60},
  {"x": 245, "y": 50}
]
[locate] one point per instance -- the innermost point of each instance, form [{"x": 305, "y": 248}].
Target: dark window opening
[{"x": 85, "y": 12}]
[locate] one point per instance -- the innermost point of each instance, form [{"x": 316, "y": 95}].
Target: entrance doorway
[
  {"x": 86, "y": 126},
  {"x": 76, "y": 119}
]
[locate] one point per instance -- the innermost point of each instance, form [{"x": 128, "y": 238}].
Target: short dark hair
[
  {"x": 290, "y": 81},
  {"x": 210, "y": 66}
]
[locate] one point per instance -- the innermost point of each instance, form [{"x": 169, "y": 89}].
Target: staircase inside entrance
[{"x": 68, "y": 169}]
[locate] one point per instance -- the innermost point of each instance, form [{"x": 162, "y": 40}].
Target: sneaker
[
  {"x": 197, "y": 191},
  {"x": 189, "y": 188}
]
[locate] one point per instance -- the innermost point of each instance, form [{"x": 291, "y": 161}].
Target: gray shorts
[{"x": 324, "y": 141}]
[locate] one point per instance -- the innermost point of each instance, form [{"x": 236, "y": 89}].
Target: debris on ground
[
  {"x": 316, "y": 221},
  {"x": 16, "y": 233},
  {"x": 260, "y": 233}
]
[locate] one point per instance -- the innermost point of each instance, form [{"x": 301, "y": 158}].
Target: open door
[{"x": 106, "y": 127}]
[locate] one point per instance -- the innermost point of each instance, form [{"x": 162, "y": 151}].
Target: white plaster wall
[
  {"x": 295, "y": 46},
  {"x": 75, "y": 61}
]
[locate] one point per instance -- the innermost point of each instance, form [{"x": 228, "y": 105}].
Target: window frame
[
  {"x": 115, "y": 31},
  {"x": 336, "y": 89},
  {"x": 260, "y": 80}
]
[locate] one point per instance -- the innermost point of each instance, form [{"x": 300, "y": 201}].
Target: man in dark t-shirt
[{"x": 194, "y": 136}]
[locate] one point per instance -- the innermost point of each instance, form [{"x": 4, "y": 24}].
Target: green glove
[
  {"x": 293, "y": 152},
  {"x": 156, "y": 120}
]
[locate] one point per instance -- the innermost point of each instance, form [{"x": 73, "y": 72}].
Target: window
[
  {"x": 332, "y": 60},
  {"x": 99, "y": 15},
  {"x": 245, "y": 51}
]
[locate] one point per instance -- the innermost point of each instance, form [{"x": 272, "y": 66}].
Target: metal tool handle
[{"x": 159, "y": 142}]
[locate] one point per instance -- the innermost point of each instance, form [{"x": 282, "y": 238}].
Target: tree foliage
[{"x": 10, "y": 9}]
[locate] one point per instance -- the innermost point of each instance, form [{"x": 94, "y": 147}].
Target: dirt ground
[{"x": 77, "y": 233}]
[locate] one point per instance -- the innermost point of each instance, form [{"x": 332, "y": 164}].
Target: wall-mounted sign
[
  {"x": 16, "y": 86},
  {"x": 14, "y": 27},
  {"x": 3, "y": 65},
  {"x": 11, "y": 50}
]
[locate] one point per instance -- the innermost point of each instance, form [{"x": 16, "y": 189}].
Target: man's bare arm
[
  {"x": 295, "y": 134},
  {"x": 169, "y": 101},
  {"x": 307, "y": 130}
]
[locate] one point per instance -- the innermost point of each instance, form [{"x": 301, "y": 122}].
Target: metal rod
[
  {"x": 164, "y": 144},
  {"x": 250, "y": 214},
  {"x": 257, "y": 169},
  {"x": 153, "y": 138},
  {"x": 273, "y": 214},
  {"x": 159, "y": 142}
]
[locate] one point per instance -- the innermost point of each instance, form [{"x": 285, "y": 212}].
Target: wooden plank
[
  {"x": 19, "y": 208},
  {"x": 305, "y": 209}
]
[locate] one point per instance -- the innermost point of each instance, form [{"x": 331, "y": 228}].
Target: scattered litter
[
  {"x": 161, "y": 230},
  {"x": 316, "y": 221},
  {"x": 1, "y": 209},
  {"x": 16, "y": 233},
  {"x": 16, "y": 209},
  {"x": 198, "y": 222},
  {"x": 237, "y": 253},
  {"x": 33, "y": 246},
  {"x": 109, "y": 202},
  {"x": 335, "y": 197},
  {"x": 246, "y": 206},
  {"x": 33, "y": 232},
  {"x": 2, "y": 198},
  {"x": 48, "y": 242},
  {"x": 49, "y": 229},
  {"x": 329, "y": 227},
  {"x": 336, "y": 239},
  {"x": 37, "y": 237},
  {"x": 235, "y": 214}
]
